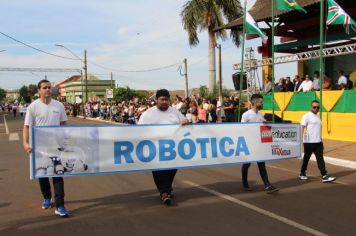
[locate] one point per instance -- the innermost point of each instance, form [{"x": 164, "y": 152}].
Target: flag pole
[
  {"x": 321, "y": 61},
  {"x": 272, "y": 42},
  {"x": 242, "y": 61}
]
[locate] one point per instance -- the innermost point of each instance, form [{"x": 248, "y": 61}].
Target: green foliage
[
  {"x": 204, "y": 92},
  {"x": 2, "y": 94},
  {"x": 200, "y": 15},
  {"x": 25, "y": 94},
  {"x": 32, "y": 90},
  {"x": 126, "y": 94}
]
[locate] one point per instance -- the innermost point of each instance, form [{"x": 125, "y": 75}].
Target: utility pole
[
  {"x": 186, "y": 76},
  {"x": 220, "y": 82},
  {"x": 86, "y": 75},
  {"x": 111, "y": 77},
  {"x": 82, "y": 100}
]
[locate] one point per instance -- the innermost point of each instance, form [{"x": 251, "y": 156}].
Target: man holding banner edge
[
  {"x": 254, "y": 115},
  {"x": 162, "y": 113},
  {"x": 46, "y": 111}
]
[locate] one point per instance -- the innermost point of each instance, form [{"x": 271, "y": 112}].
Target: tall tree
[
  {"x": 126, "y": 94},
  {"x": 23, "y": 91},
  {"x": 199, "y": 15},
  {"x": 32, "y": 90},
  {"x": 2, "y": 94}
]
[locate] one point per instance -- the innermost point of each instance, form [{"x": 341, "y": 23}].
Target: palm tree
[{"x": 199, "y": 15}]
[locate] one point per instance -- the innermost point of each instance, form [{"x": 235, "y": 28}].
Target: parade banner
[{"x": 90, "y": 150}]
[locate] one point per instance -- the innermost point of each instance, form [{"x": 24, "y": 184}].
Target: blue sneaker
[
  {"x": 61, "y": 211},
  {"x": 47, "y": 203}
]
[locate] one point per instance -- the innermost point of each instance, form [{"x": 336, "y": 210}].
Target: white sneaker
[
  {"x": 303, "y": 177},
  {"x": 327, "y": 178}
]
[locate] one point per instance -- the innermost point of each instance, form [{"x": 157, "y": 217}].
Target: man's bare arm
[{"x": 25, "y": 136}]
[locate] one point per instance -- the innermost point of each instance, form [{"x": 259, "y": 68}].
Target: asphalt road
[{"x": 208, "y": 201}]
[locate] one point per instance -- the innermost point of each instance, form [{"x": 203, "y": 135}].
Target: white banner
[{"x": 87, "y": 150}]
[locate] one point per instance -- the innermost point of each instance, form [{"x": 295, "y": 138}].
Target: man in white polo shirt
[
  {"x": 254, "y": 115},
  {"x": 307, "y": 85},
  {"x": 311, "y": 130}
]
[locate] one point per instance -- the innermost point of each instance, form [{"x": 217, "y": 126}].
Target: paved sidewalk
[{"x": 340, "y": 149}]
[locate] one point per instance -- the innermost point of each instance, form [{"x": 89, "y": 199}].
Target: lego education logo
[
  {"x": 271, "y": 134},
  {"x": 266, "y": 134}
]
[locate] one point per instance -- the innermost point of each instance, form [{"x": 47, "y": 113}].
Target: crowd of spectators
[
  {"x": 307, "y": 84},
  {"x": 14, "y": 108},
  {"x": 196, "y": 109}
]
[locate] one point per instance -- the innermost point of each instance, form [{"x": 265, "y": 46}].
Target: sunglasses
[{"x": 316, "y": 107}]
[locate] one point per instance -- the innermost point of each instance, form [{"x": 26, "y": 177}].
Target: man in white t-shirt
[
  {"x": 46, "y": 111},
  {"x": 316, "y": 81},
  {"x": 162, "y": 113},
  {"x": 254, "y": 115},
  {"x": 306, "y": 85},
  {"x": 311, "y": 130},
  {"x": 342, "y": 81}
]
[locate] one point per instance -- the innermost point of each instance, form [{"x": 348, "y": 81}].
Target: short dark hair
[
  {"x": 315, "y": 101},
  {"x": 316, "y": 72},
  {"x": 162, "y": 93},
  {"x": 256, "y": 96},
  {"x": 41, "y": 82}
]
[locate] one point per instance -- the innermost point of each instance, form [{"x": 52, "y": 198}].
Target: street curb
[
  {"x": 336, "y": 161},
  {"x": 340, "y": 162},
  {"x": 95, "y": 119}
]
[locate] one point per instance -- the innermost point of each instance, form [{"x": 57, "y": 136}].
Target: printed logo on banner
[
  {"x": 284, "y": 134},
  {"x": 271, "y": 134},
  {"x": 266, "y": 134},
  {"x": 279, "y": 151}
]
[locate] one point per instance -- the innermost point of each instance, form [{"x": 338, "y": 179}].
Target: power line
[
  {"x": 98, "y": 65},
  {"x": 63, "y": 70},
  {"x": 136, "y": 71},
  {"x": 37, "y": 49}
]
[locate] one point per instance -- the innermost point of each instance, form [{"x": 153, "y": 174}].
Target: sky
[{"x": 118, "y": 36}]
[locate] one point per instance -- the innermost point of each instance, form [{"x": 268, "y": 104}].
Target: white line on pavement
[
  {"x": 257, "y": 209},
  {"x": 6, "y": 127},
  {"x": 14, "y": 137}
]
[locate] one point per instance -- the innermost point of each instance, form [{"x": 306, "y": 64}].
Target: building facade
[{"x": 74, "y": 89}]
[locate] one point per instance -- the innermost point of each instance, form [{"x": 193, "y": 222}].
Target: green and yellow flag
[{"x": 287, "y": 5}]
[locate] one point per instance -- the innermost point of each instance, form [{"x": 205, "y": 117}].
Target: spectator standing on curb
[{"x": 229, "y": 109}]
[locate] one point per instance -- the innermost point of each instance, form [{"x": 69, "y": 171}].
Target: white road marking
[
  {"x": 14, "y": 137},
  {"x": 6, "y": 127},
  {"x": 257, "y": 209}
]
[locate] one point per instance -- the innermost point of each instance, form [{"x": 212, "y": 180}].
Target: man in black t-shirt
[{"x": 229, "y": 109}]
